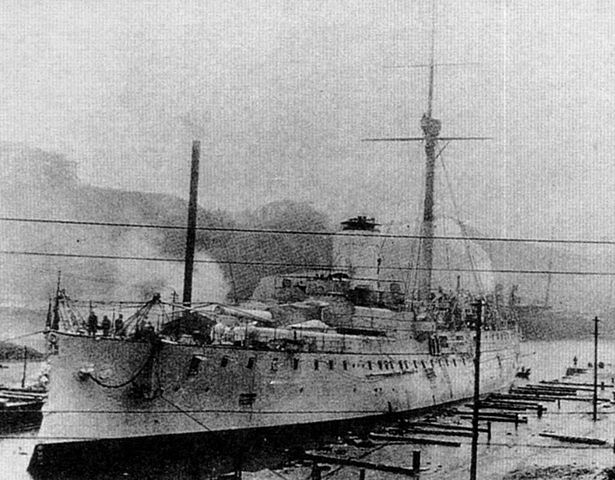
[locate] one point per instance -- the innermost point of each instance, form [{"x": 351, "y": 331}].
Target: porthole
[{"x": 193, "y": 368}]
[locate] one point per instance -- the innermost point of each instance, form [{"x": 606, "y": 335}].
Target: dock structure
[
  {"x": 450, "y": 428},
  {"x": 20, "y": 408}
]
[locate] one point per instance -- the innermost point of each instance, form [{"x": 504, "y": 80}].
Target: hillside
[
  {"x": 10, "y": 352},
  {"x": 38, "y": 184}
]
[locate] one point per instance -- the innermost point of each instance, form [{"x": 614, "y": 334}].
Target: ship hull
[{"x": 111, "y": 390}]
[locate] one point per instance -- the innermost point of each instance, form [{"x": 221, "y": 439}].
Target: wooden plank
[
  {"x": 558, "y": 387},
  {"x": 445, "y": 433},
  {"x": 445, "y": 426},
  {"x": 578, "y": 398},
  {"x": 504, "y": 401},
  {"x": 359, "y": 463},
  {"x": 490, "y": 414},
  {"x": 572, "y": 439},
  {"x": 416, "y": 440},
  {"x": 497, "y": 419},
  {"x": 505, "y": 405},
  {"x": 523, "y": 397},
  {"x": 485, "y": 405},
  {"x": 531, "y": 391},
  {"x": 577, "y": 384}
]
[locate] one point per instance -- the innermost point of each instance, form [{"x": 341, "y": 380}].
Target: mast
[
  {"x": 549, "y": 276},
  {"x": 431, "y": 136},
  {"x": 55, "y": 323},
  {"x": 191, "y": 232},
  {"x": 431, "y": 130}
]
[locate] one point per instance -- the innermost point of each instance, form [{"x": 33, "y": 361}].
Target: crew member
[
  {"x": 106, "y": 326},
  {"x": 119, "y": 326},
  {"x": 149, "y": 333},
  {"x": 92, "y": 323}
]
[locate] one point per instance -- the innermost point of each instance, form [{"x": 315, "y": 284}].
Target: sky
[{"x": 281, "y": 94}]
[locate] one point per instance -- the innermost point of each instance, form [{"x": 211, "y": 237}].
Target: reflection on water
[{"x": 548, "y": 360}]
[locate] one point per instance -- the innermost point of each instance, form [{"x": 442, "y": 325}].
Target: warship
[{"x": 349, "y": 349}]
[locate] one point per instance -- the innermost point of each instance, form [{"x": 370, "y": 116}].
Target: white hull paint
[{"x": 235, "y": 388}]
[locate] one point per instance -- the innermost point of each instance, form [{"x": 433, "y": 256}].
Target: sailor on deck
[
  {"x": 119, "y": 326},
  {"x": 106, "y": 326},
  {"x": 92, "y": 323}
]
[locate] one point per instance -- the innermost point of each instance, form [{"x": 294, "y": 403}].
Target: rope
[
  {"x": 198, "y": 422},
  {"x": 132, "y": 378},
  {"x": 463, "y": 228},
  {"x": 10, "y": 339}
]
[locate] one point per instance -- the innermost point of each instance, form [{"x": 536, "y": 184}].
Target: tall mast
[
  {"x": 191, "y": 232},
  {"x": 431, "y": 135},
  {"x": 431, "y": 130},
  {"x": 549, "y": 278},
  {"x": 432, "y": 57}
]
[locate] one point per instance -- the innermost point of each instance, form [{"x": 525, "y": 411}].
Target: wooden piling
[
  {"x": 238, "y": 465},
  {"x": 25, "y": 366},
  {"x": 475, "y": 408},
  {"x": 595, "y": 402},
  {"x": 416, "y": 461},
  {"x": 316, "y": 471}
]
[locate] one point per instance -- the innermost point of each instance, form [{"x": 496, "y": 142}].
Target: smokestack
[{"x": 191, "y": 232}]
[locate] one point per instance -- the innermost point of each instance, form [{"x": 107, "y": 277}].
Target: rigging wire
[
  {"x": 477, "y": 279},
  {"x": 31, "y": 334},
  {"x": 308, "y": 232},
  {"x": 301, "y": 265},
  {"x": 213, "y": 432}
]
